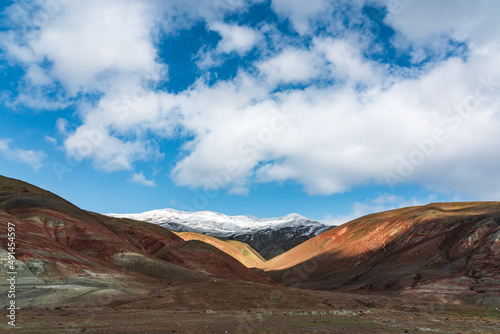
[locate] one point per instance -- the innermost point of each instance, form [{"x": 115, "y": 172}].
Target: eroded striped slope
[{"x": 441, "y": 247}]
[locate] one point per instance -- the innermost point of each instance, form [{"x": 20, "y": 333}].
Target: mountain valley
[
  {"x": 270, "y": 236},
  {"x": 429, "y": 267}
]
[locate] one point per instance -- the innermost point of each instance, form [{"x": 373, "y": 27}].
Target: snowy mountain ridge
[{"x": 221, "y": 225}]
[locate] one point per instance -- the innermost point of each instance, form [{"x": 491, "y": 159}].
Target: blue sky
[{"x": 329, "y": 108}]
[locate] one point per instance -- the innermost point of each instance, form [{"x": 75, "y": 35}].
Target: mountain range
[
  {"x": 270, "y": 237},
  {"x": 81, "y": 253},
  {"x": 66, "y": 256}
]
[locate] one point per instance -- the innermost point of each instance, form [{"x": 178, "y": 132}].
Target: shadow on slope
[
  {"x": 442, "y": 250},
  {"x": 66, "y": 253}
]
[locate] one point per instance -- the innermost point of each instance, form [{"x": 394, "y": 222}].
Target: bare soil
[{"x": 222, "y": 306}]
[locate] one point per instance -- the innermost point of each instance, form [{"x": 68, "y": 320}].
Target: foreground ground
[{"x": 251, "y": 308}]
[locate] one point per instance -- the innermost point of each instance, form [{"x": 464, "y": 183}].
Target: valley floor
[{"x": 205, "y": 308}]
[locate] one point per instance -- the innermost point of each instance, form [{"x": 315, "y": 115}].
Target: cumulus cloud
[
  {"x": 88, "y": 44},
  {"x": 291, "y": 65},
  {"x": 141, "y": 179},
  {"x": 235, "y": 38},
  {"x": 346, "y": 62},
  {"x": 458, "y": 19},
  {"x": 306, "y": 16},
  {"x": 108, "y": 152},
  {"x": 322, "y": 112},
  {"x": 30, "y": 157}
]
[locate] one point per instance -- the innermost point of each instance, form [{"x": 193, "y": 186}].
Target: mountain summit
[{"x": 268, "y": 236}]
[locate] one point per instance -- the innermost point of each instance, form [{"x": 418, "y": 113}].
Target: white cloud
[
  {"x": 37, "y": 76},
  {"x": 141, "y": 179},
  {"x": 306, "y": 15},
  {"x": 460, "y": 19},
  {"x": 291, "y": 66},
  {"x": 87, "y": 47},
  {"x": 346, "y": 61},
  {"x": 61, "y": 125},
  {"x": 51, "y": 140},
  {"x": 355, "y": 120},
  {"x": 108, "y": 152},
  {"x": 95, "y": 40},
  {"x": 33, "y": 158},
  {"x": 341, "y": 137},
  {"x": 182, "y": 14},
  {"x": 235, "y": 38}
]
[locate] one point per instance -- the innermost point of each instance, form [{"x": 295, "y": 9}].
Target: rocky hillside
[
  {"x": 58, "y": 243},
  {"x": 440, "y": 249}
]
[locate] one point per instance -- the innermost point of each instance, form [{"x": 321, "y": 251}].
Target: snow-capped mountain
[{"x": 268, "y": 236}]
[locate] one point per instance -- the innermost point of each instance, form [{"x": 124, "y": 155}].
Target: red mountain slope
[
  {"x": 56, "y": 241},
  {"x": 441, "y": 247}
]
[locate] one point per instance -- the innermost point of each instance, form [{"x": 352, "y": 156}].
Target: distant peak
[
  {"x": 295, "y": 216},
  {"x": 219, "y": 223}
]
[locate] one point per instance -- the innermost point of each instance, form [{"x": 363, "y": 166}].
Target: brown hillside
[
  {"x": 443, "y": 247},
  {"x": 56, "y": 241}
]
